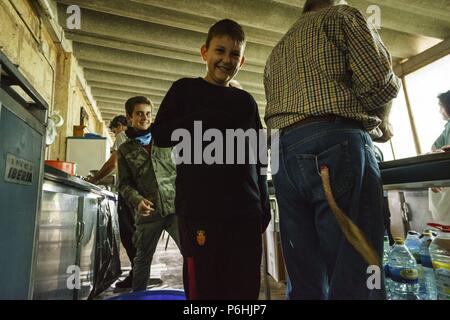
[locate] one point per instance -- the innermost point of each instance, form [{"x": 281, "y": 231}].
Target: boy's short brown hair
[
  {"x": 226, "y": 27},
  {"x": 129, "y": 105}
]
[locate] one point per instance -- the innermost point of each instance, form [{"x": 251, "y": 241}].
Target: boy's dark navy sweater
[{"x": 218, "y": 191}]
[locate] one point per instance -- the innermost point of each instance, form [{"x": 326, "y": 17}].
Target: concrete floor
[{"x": 167, "y": 265}]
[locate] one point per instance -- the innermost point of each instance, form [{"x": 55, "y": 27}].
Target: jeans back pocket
[{"x": 337, "y": 159}]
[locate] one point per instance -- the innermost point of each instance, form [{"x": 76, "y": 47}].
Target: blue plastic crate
[{"x": 152, "y": 295}]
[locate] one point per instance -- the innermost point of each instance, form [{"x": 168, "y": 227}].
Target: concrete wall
[
  {"x": 47, "y": 64},
  {"x": 80, "y": 100},
  {"x": 27, "y": 45}
]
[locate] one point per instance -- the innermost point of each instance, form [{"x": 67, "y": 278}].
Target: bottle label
[
  {"x": 442, "y": 272},
  {"x": 386, "y": 271},
  {"x": 404, "y": 275},
  {"x": 426, "y": 261}
]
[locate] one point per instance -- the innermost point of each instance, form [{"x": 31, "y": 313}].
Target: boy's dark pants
[
  {"x": 127, "y": 228},
  {"x": 146, "y": 240},
  {"x": 227, "y": 265}
]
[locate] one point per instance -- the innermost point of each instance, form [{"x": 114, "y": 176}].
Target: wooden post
[{"x": 411, "y": 118}]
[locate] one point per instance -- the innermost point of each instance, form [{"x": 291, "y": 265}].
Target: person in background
[
  {"x": 443, "y": 141},
  {"x": 118, "y": 126},
  {"x": 223, "y": 206},
  {"x": 322, "y": 81},
  {"x": 147, "y": 183},
  {"x": 439, "y": 198}
]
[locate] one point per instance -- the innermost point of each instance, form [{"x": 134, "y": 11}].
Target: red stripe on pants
[{"x": 192, "y": 283}]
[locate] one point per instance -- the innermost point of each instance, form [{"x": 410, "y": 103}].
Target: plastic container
[
  {"x": 67, "y": 167},
  {"x": 92, "y": 136},
  {"x": 152, "y": 295},
  {"x": 387, "y": 279},
  {"x": 440, "y": 258},
  {"x": 413, "y": 243},
  {"x": 427, "y": 279},
  {"x": 403, "y": 272}
]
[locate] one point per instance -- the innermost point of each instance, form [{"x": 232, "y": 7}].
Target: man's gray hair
[{"x": 311, "y": 5}]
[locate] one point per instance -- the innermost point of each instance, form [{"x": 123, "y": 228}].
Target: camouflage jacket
[{"x": 147, "y": 176}]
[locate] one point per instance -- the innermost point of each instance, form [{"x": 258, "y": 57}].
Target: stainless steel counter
[
  {"x": 69, "y": 222},
  {"x": 55, "y": 175}
]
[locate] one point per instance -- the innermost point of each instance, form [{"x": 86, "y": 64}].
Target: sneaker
[
  {"x": 125, "y": 283},
  {"x": 154, "y": 281}
]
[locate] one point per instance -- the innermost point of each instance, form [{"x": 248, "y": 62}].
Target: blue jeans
[{"x": 320, "y": 262}]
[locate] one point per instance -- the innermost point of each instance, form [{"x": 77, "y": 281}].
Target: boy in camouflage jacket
[{"x": 147, "y": 183}]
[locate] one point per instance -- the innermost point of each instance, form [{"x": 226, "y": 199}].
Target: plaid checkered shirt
[{"x": 331, "y": 62}]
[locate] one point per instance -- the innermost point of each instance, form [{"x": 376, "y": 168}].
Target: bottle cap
[{"x": 399, "y": 240}]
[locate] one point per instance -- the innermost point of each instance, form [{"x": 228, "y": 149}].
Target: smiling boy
[
  {"x": 222, "y": 208},
  {"x": 146, "y": 182}
]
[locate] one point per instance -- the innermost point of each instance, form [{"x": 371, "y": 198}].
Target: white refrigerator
[{"x": 88, "y": 153}]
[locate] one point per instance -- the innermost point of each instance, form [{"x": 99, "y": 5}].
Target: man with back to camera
[
  {"x": 439, "y": 197},
  {"x": 323, "y": 81},
  {"x": 117, "y": 126}
]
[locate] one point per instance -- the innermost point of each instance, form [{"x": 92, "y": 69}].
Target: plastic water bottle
[
  {"x": 403, "y": 272},
  {"x": 427, "y": 279},
  {"x": 412, "y": 242},
  {"x": 440, "y": 258},
  {"x": 387, "y": 279}
]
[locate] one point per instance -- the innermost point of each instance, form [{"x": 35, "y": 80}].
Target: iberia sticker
[
  {"x": 18, "y": 170},
  {"x": 201, "y": 237}
]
